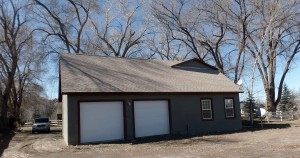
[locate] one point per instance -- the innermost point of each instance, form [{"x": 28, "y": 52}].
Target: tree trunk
[
  {"x": 270, "y": 94},
  {"x": 3, "y": 118},
  {"x": 271, "y": 106},
  {"x": 7, "y": 92}
]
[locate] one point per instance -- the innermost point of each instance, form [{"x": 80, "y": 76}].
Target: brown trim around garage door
[
  {"x": 124, "y": 115},
  {"x": 169, "y": 109}
]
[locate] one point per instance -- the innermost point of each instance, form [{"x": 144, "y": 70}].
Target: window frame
[
  {"x": 233, "y": 108},
  {"x": 211, "y": 109}
]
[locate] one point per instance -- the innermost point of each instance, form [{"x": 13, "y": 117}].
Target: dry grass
[{"x": 273, "y": 142}]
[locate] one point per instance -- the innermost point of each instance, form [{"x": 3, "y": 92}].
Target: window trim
[
  {"x": 211, "y": 109},
  {"x": 233, "y": 107}
]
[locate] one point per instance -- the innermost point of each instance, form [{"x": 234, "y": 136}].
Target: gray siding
[{"x": 185, "y": 112}]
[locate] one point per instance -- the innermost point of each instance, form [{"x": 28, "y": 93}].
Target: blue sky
[{"x": 293, "y": 78}]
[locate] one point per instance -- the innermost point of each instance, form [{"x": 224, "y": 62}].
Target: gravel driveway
[{"x": 273, "y": 143}]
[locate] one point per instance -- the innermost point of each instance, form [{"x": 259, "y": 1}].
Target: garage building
[{"x": 109, "y": 99}]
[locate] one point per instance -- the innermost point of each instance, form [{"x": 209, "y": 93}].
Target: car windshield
[{"x": 41, "y": 120}]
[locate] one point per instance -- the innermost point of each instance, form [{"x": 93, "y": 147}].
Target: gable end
[{"x": 194, "y": 63}]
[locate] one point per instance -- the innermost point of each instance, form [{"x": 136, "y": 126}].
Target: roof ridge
[{"x": 116, "y": 57}]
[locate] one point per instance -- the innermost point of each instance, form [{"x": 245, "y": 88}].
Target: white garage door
[
  {"x": 151, "y": 118},
  {"x": 101, "y": 121}
]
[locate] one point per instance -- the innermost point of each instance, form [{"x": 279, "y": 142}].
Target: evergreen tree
[
  {"x": 247, "y": 106},
  {"x": 286, "y": 102}
]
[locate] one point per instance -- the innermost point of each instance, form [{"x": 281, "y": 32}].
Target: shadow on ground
[
  {"x": 5, "y": 138},
  {"x": 27, "y": 129},
  {"x": 246, "y": 128},
  {"x": 257, "y": 125},
  {"x": 189, "y": 139}
]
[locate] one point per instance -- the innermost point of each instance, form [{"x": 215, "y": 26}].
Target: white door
[
  {"x": 101, "y": 121},
  {"x": 151, "y": 118}
]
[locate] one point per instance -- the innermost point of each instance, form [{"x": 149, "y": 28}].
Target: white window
[
  {"x": 229, "y": 108},
  {"x": 206, "y": 109}
]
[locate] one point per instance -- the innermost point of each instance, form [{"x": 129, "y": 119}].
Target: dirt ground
[{"x": 270, "y": 142}]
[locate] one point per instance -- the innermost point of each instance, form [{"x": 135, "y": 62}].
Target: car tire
[
  {"x": 32, "y": 132},
  {"x": 48, "y": 131}
]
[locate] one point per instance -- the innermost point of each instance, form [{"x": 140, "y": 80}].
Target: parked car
[{"x": 41, "y": 124}]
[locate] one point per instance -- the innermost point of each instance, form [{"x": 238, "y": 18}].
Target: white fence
[
  {"x": 282, "y": 116},
  {"x": 277, "y": 116}
]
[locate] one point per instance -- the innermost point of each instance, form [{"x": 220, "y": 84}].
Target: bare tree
[
  {"x": 63, "y": 23},
  {"x": 173, "y": 17},
  {"x": 32, "y": 102},
  {"x": 238, "y": 16},
  {"x": 163, "y": 46},
  {"x": 28, "y": 70},
  {"x": 202, "y": 26},
  {"x": 15, "y": 40},
  {"x": 233, "y": 33},
  {"x": 121, "y": 28},
  {"x": 273, "y": 41}
]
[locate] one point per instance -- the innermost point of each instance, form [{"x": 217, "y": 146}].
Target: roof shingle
[{"x": 82, "y": 73}]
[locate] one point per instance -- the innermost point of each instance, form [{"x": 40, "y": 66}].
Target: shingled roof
[{"x": 83, "y": 73}]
